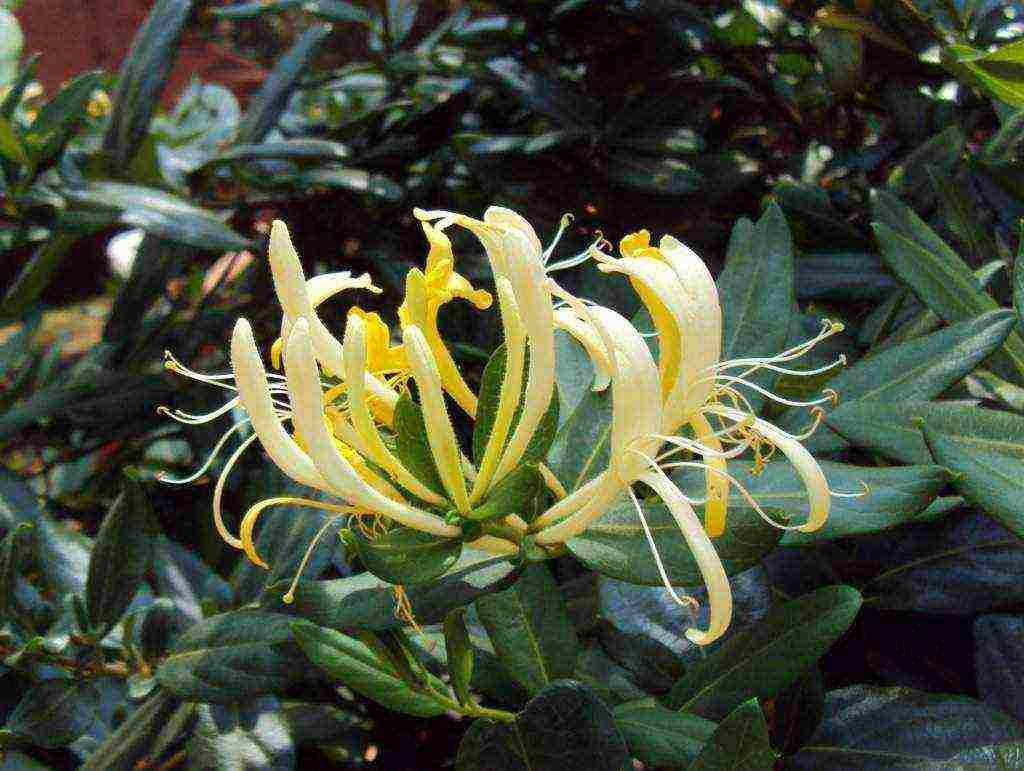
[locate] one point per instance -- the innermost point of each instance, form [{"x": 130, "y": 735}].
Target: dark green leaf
[
  {"x": 661, "y": 737},
  {"x": 884, "y": 728},
  {"x": 985, "y": 457},
  {"x": 250, "y": 735},
  {"x": 58, "y": 119},
  {"x": 120, "y": 558},
  {"x": 799, "y": 710},
  {"x": 936, "y": 274},
  {"x": 841, "y": 54},
  {"x": 365, "y": 602},
  {"x": 565, "y": 726},
  {"x": 514, "y": 494},
  {"x": 615, "y": 544},
  {"x": 11, "y": 146},
  {"x": 143, "y": 78},
  {"x": 290, "y": 150},
  {"x": 36, "y": 274},
  {"x": 841, "y": 276},
  {"x": 54, "y": 713},
  {"x": 459, "y": 652},
  {"x": 610, "y": 680},
  {"x": 761, "y": 661},
  {"x": 910, "y": 179},
  {"x": 266, "y": 106},
  {"x": 13, "y": 97},
  {"x": 756, "y": 289},
  {"x": 138, "y": 736},
  {"x": 353, "y": 664},
  {"x": 530, "y": 629},
  {"x": 159, "y": 213},
  {"x": 12, "y": 548},
  {"x": 407, "y": 557},
  {"x": 256, "y": 9},
  {"x": 1000, "y": 73},
  {"x": 999, "y": 662},
  {"x": 233, "y": 656},
  {"x": 581, "y": 447},
  {"x": 740, "y": 743},
  {"x": 412, "y": 447}
]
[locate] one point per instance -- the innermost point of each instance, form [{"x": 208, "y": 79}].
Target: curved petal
[
  {"x": 506, "y": 219},
  {"x": 511, "y": 387},
  {"x": 304, "y": 386},
  {"x": 818, "y": 496},
  {"x": 440, "y": 434},
  {"x": 355, "y": 369},
  {"x": 566, "y": 318},
  {"x": 251, "y": 380},
  {"x": 717, "y": 583},
  {"x": 717, "y": 483}
]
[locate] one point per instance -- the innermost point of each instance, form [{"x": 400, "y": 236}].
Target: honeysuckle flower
[{"x": 340, "y": 395}]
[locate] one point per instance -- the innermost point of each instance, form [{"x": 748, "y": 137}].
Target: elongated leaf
[
  {"x": 764, "y": 659},
  {"x": 985, "y": 456},
  {"x": 938, "y": 276},
  {"x": 36, "y": 274},
  {"x": 159, "y": 213},
  {"x": 143, "y": 78},
  {"x": 12, "y": 547},
  {"x": 530, "y": 629},
  {"x": 365, "y": 602},
  {"x": 407, "y": 557},
  {"x": 659, "y": 736},
  {"x": 59, "y": 118},
  {"x": 138, "y": 735},
  {"x": 842, "y": 276},
  {"x": 412, "y": 447},
  {"x": 233, "y": 656},
  {"x": 459, "y": 653},
  {"x": 54, "y": 713},
  {"x": 799, "y": 710},
  {"x": 308, "y": 150},
  {"x": 756, "y": 289},
  {"x": 11, "y": 146},
  {"x": 582, "y": 448},
  {"x": 740, "y": 743},
  {"x": 615, "y": 544},
  {"x": 266, "y": 106},
  {"x": 883, "y": 728},
  {"x": 120, "y": 557},
  {"x": 917, "y": 370},
  {"x": 565, "y": 726},
  {"x": 1000, "y": 73},
  {"x": 352, "y": 663},
  {"x": 514, "y": 494},
  {"x": 999, "y": 662}
]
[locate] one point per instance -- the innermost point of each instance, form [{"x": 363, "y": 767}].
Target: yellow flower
[{"x": 340, "y": 397}]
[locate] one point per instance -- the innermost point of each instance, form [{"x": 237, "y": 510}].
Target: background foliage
[{"x": 858, "y": 160}]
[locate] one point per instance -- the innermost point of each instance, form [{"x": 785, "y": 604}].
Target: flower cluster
[{"x": 340, "y": 397}]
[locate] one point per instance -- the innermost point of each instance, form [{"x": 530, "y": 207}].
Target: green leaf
[
  {"x": 256, "y": 9},
  {"x": 514, "y": 494},
  {"x": 143, "y": 79},
  {"x": 487, "y": 409},
  {"x": 412, "y": 447},
  {"x": 460, "y": 654},
  {"x": 266, "y": 106},
  {"x": 871, "y": 727},
  {"x": 661, "y": 737},
  {"x": 25, "y": 77},
  {"x": 530, "y": 629},
  {"x": 740, "y": 743},
  {"x": 55, "y": 712},
  {"x": 985, "y": 456},
  {"x": 841, "y": 276},
  {"x": 910, "y": 179},
  {"x": 894, "y": 496},
  {"x": 137, "y": 737},
  {"x": 798, "y": 712},
  {"x": 36, "y": 274},
  {"x": 302, "y": 150},
  {"x": 756, "y": 289},
  {"x": 842, "y": 55},
  {"x": 565, "y": 726},
  {"x": 936, "y": 274},
  {"x": 353, "y": 664},
  {"x": 917, "y": 370},
  {"x": 764, "y": 659},
  {"x": 999, "y": 661},
  {"x": 10, "y": 552},
  {"x": 615, "y": 544},
  {"x": 406, "y": 557},
  {"x": 998, "y": 757},
  {"x": 233, "y": 656},
  {"x": 59, "y": 118},
  {"x": 11, "y": 146},
  {"x": 1000, "y": 73},
  {"x": 1018, "y": 288},
  {"x": 364, "y": 601},
  {"x": 121, "y": 556},
  {"x": 581, "y": 448},
  {"x": 159, "y": 213}
]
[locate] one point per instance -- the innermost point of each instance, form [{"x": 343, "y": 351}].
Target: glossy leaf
[
  {"x": 615, "y": 544},
  {"x": 352, "y": 663},
  {"x": 985, "y": 457},
  {"x": 411, "y": 445},
  {"x": 121, "y": 555},
  {"x": 459, "y": 651},
  {"x": 364, "y": 601},
  {"x": 233, "y": 656},
  {"x": 764, "y": 659},
  {"x": 143, "y": 78},
  {"x": 661, "y": 737},
  {"x": 407, "y": 557},
  {"x": 799, "y": 710},
  {"x": 999, "y": 662},
  {"x": 867, "y": 727},
  {"x": 739, "y": 742},
  {"x": 530, "y": 629},
  {"x": 514, "y": 494},
  {"x": 54, "y": 713}
]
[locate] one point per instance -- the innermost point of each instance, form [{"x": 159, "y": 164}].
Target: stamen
[
  {"x": 839, "y": 362},
  {"x": 864, "y": 493},
  {"x": 218, "y": 492},
  {"x": 819, "y": 415},
  {"x": 563, "y": 225},
  {"x": 830, "y": 397},
  {"x": 162, "y": 477},
  {"x": 194, "y": 420},
  {"x": 289, "y": 596},
  {"x": 684, "y": 601}
]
